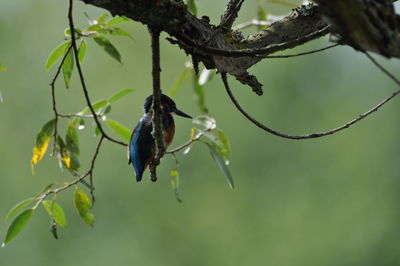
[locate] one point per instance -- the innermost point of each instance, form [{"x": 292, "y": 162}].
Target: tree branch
[
  {"x": 302, "y": 25},
  {"x": 53, "y": 97},
  {"x": 157, "y": 120},
  {"x": 85, "y": 91},
  {"x": 312, "y": 135},
  {"x": 366, "y": 26}
]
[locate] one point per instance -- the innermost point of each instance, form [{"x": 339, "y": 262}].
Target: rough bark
[
  {"x": 365, "y": 25},
  {"x": 361, "y": 24}
]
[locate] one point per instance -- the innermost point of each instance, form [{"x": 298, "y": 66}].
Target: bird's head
[{"x": 167, "y": 105}]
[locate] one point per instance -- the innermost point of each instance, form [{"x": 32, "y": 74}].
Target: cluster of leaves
[
  {"x": 98, "y": 30},
  {"x": 67, "y": 153},
  {"x": 26, "y": 208}
]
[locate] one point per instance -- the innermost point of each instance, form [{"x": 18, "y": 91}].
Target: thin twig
[
  {"x": 53, "y": 97},
  {"x": 157, "y": 128},
  {"x": 307, "y": 136},
  {"x": 253, "y": 52},
  {"x": 75, "y": 115},
  {"x": 189, "y": 142},
  {"x": 92, "y": 168},
  {"x": 300, "y": 54},
  {"x": 76, "y": 181},
  {"x": 85, "y": 91},
  {"x": 384, "y": 70}
]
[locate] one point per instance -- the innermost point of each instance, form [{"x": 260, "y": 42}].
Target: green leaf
[
  {"x": 83, "y": 205},
  {"x": 221, "y": 164},
  {"x": 17, "y": 225},
  {"x": 56, "y": 54},
  {"x": 108, "y": 47},
  {"x": 3, "y": 68},
  {"x": 175, "y": 183},
  {"x": 200, "y": 94},
  {"x": 96, "y": 106},
  {"x": 72, "y": 139},
  {"x": 67, "y": 32},
  {"x": 101, "y": 18},
  {"x": 107, "y": 109},
  {"x": 42, "y": 142},
  {"x": 123, "y": 132},
  {"x": 178, "y": 82},
  {"x": 82, "y": 51},
  {"x": 95, "y": 27},
  {"x": 117, "y": 20},
  {"x": 97, "y": 131},
  {"x": 119, "y": 95},
  {"x": 119, "y": 32},
  {"x": 191, "y": 6},
  {"x": 262, "y": 15},
  {"x": 70, "y": 157},
  {"x": 225, "y": 145},
  {"x": 55, "y": 211},
  {"x": 17, "y": 208},
  {"x": 68, "y": 67}
]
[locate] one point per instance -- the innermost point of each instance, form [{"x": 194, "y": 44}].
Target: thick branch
[
  {"x": 302, "y": 25},
  {"x": 365, "y": 25}
]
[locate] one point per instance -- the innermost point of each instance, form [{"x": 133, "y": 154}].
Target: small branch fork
[
  {"x": 319, "y": 134},
  {"x": 157, "y": 120},
  {"x": 76, "y": 181},
  {"x": 53, "y": 97}
]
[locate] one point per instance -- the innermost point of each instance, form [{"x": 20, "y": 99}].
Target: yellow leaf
[
  {"x": 38, "y": 153},
  {"x": 67, "y": 161}
]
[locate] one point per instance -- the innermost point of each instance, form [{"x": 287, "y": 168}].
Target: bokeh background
[{"x": 329, "y": 201}]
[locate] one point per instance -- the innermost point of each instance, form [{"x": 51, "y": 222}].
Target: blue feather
[{"x": 134, "y": 157}]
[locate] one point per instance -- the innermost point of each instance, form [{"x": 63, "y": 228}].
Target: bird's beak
[{"x": 180, "y": 113}]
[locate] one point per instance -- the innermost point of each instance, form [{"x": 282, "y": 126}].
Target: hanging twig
[
  {"x": 300, "y": 54},
  {"x": 53, "y": 97},
  {"x": 157, "y": 128},
  {"x": 312, "y": 135},
  {"x": 82, "y": 79}
]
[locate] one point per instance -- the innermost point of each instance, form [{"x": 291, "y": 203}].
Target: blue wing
[
  {"x": 141, "y": 146},
  {"x": 134, "y": 157}
]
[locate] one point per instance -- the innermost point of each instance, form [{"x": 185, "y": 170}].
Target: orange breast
[{"x": 169, "y": 134}]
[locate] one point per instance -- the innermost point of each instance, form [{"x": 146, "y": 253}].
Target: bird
[{"x": 141, "y": 149}]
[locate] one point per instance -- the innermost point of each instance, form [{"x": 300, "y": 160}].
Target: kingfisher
[{"x": 142, "y": 145}]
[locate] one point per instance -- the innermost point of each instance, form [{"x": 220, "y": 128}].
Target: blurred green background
[{"x": 329, "y": 201}]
